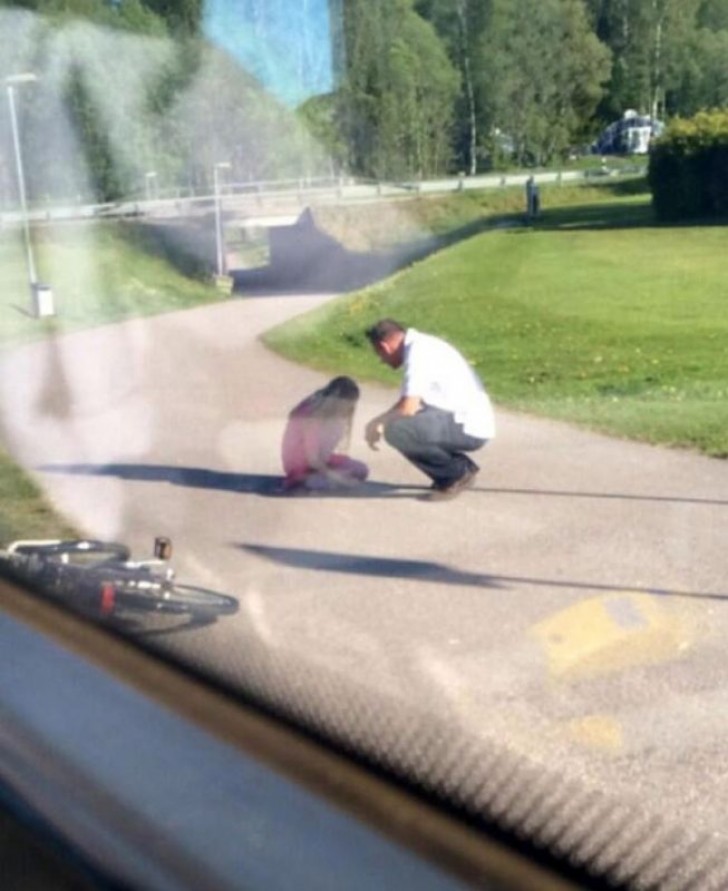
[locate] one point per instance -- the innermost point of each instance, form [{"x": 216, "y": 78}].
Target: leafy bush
[{"x": 688, "y": 169}]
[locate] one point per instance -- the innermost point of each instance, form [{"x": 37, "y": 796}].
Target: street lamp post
[
  {"x": 221, "y": 165},
  {"x": 41, "y": 294}
]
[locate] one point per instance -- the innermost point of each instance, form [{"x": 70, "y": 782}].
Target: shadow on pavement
[
  {"x": 268, "y": 485},
  {"x": 619, "y": 496},
  {"x": 426, "y": 571}
]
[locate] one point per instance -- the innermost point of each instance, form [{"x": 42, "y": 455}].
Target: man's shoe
[{"x": 452, "y": 490}]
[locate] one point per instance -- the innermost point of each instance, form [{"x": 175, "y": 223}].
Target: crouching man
[{"x": 443, "y": 410}]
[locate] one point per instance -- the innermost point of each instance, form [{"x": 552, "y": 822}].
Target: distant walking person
[
  {"x": 316, "y": 427},
  {"x": 442, "y": 412}
]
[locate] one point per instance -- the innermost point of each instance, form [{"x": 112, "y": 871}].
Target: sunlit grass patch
[{"x": 25, "y": 512}]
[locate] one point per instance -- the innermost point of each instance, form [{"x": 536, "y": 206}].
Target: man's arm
[{"x": 403, "y": 407}]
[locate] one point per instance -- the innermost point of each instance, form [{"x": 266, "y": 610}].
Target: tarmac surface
[{"x": 572, "y": 607}]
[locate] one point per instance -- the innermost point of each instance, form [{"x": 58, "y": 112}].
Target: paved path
[{"x": 573, "y": 606}]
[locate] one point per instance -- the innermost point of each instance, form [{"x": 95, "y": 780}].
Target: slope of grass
[
  {"x": 98, "y": 274},
  {"x": 25, "y": 512}
]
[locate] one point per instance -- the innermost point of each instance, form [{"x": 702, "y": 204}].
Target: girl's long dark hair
[
  {"x": 343, "y": 388},
  {"x": 336, "y": 400}
]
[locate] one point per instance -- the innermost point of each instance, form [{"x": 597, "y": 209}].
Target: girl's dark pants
[{"x": 435, "y": 443}]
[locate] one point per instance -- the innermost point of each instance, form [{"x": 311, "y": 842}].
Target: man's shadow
[
  {"x": 265, "y": 485},
  {"x": 437, "y": 573}
]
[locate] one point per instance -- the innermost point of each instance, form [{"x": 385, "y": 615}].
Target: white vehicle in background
[{"x": 631, "y": 135}]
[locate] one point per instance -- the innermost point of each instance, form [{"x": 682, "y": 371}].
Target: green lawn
[
  {"x": 595, "y": 315},
  {"x": 25, "y": 512},
  {"x": 98, "y": 273}
]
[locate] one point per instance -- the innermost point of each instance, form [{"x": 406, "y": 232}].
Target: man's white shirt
[{"x": 440, "y": 376}]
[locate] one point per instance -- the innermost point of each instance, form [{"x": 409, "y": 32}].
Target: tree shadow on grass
[
  {"x": 594, "y": 217},
  {"x": 305, "y": 259},
  {"x": 612, "y": 215}
]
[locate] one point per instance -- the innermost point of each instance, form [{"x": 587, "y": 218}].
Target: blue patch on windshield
[{"x": 286, "y": 46}]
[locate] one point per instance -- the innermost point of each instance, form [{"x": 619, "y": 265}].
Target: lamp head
[{"x": 26, "y": 78}]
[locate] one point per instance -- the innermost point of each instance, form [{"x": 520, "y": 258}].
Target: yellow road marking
[
  {"x": 612, "y": 632},
  {"x": 598, "y": 732}
]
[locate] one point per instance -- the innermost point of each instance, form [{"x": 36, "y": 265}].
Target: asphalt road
[{"x": 572, "y": 608}]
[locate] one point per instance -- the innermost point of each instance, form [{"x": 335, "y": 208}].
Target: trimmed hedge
[{"x": 688, "y": 168}]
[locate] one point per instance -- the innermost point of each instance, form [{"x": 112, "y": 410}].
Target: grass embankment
[
  {"x": 595, "y": 315},
  {"x": 24, "y": 511},
  {"x": 98, "y": 274}
]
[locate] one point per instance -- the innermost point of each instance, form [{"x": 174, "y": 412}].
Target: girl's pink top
[{"x": 309, "y": 441}]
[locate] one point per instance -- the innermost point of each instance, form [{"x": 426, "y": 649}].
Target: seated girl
[{"x": 316, "y": 427}]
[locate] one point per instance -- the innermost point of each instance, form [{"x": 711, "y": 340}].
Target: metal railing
[{"x": 252, "y": 197}]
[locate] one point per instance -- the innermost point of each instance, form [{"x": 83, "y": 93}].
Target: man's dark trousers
[{"x": 435, "y": 443}]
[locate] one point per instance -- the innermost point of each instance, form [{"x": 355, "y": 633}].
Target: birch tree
[
  {"x": 460, "y": 24},
  {"x": 398, "y": 91}
]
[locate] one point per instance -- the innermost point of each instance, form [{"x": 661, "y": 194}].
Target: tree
[
  {"x": 107, "y": 175},
  {"x": 699, "y": 76},
  {"x": 702, "y": 80},
  {"x": 542, "y": 101},
  {"x": 173, "y": 106},
  {"x": 713, "y": 14},
  {"x": 319, "y": 117},
  {"x": 460, "y": 24},
  {"x": 663, "y": 53},
  {"x": 671, "y": 26},
  {"x": 183, "y": 17},
  {"x": 397, "y": 92},
  {"x": 132, "y": 15}
]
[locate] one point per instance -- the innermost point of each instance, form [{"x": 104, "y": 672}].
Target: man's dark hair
[{"x": 382, "y": 330}]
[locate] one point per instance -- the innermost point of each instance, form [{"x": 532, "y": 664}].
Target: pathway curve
[{"x": 573, "y": 607}]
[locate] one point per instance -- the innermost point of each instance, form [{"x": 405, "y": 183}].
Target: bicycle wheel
[
  {"x": 78, "y": 550},
  {"x": 148, "y": 595},
  {"x": 190, "y": 598}
]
